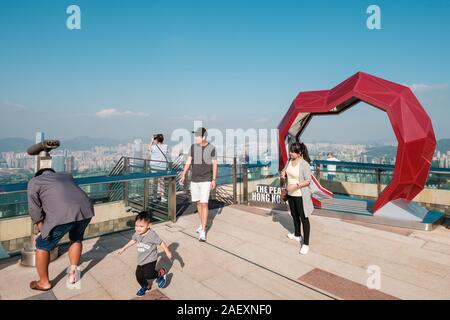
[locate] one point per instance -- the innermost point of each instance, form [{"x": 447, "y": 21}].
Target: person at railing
[
  {"x": 298, "y": 174},
  {"x": 202, "y": 156},
  {"x": 331, "y": 168},
  {"x": 158, "y": 162},
  {"x": 58, "y": 206}
]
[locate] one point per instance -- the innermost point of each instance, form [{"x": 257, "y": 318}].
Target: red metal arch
[{"x": 411, "y": 124}]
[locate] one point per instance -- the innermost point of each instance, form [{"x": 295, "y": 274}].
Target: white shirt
[
  {"x": 331, "y": 168},
  {"x": 293, "y": 175},
  {"x": 159, "y": 153}
]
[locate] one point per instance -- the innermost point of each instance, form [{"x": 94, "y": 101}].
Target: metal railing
[
  {"x": 100, "y": 189},
  {"x": 369, "y": 173}
]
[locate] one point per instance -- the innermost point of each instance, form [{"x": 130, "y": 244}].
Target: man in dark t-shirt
[{"x": 202, "y": 156}]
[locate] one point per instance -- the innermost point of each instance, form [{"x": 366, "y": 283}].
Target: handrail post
[
  {"x": 245, "y": 184},
  {"x": 186, "y": 180},
  {"x": 146, "y": 186},
  {"x": 126, "y": 163},
  {"x": 234, "y": 180},
  {"x": 172, "y": 199},
  {"x": 378, "y": 180},
  {"x": 317, "y": 173}
]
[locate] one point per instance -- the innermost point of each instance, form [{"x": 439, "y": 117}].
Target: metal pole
[
  {"x": 235, "y": 180},
  {"x": 146, "y": 186},
  {"x": 186, "y": 179},
  {"x": 172, "y": 199},
  {"x": 245, "y": 184},
  {"x": 378, "y": 178},
  {"x": 317, "y": 171},
  {"x": 126, "y": 163}
]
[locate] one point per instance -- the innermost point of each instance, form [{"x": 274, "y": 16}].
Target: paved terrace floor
[{"x": 248, "y": 256}]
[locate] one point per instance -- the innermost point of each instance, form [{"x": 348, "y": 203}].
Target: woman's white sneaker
[
  {"x": 293, "y": 237},
  {"x": 304, "y": 249},
  {"x": 199, "y": 229}
]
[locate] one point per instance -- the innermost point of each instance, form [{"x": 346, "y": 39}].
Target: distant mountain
[
  {"x": 14, "y": 144},
  {"x": 87, "y": 143},
  {"x": 76, "y": 144},
  {"x": 443, "y": 145},
  {"x": 389, "y": 151}
]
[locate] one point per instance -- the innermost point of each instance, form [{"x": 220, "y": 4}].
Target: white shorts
[{"x": 200, "y": 191}]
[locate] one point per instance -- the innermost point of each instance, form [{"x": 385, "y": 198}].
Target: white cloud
[
  {"x": 10, "y": 106},
  {"x": 422, "y": 88},
  {"x": 110, "y": 113},
  {"x": 205, "y": 118}
]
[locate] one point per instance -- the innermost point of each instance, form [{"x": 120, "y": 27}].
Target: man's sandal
[{"x": 34, "y": 285}]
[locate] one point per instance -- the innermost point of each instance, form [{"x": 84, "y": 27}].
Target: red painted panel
[{"x": 411, "y": 124}]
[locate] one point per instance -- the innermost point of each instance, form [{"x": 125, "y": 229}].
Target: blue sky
[{"x": 137, "y": 67}]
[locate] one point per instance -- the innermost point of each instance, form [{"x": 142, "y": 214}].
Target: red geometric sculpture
[{"x": 412, "y": 127}]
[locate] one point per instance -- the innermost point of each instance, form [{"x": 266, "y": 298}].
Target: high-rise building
[
  {"x": 70, "y": 164},
  {"x": 59, "y": 163},
  {"x": 137, "y": 149}
]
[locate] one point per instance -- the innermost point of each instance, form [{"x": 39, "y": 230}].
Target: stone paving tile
[
  {"x": 249, "y": 256},
  {"x": 154, "y": 294},
  {"x": 342, "y": 287},
  {"x": 397, "y": 230},
  {"x": 48, "y": 295},
  {"x": 96, "y": 294},
  {"x": 232, "y": 287}
]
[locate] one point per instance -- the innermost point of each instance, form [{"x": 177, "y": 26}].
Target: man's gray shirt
[
  {"x": 55, "y": 199},
  {"x": 202, "y": 157},
  {"x": 147, "y": 246}
]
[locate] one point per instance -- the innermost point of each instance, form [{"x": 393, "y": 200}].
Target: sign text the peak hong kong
[{"x": 267, "y": 194}]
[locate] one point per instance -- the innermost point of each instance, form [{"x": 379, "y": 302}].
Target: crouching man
[{"x": 58, "y": 206}]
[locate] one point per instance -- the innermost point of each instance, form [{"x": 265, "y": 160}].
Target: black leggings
[
  {"x": 145, "y": 273},
  {"x": 298, "y": 215}
]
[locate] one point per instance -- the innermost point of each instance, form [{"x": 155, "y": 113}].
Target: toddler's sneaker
[
  {"x": 141, "y": 292},
  {"x": 161, "y": 280}
]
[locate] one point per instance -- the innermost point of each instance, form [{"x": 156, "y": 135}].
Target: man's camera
[{"x": 159, "y": 137}]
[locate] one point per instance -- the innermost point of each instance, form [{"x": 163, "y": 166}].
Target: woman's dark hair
[
  {"x": 41, "y": 171},
  {"x": 159, "y": 137},
  {"x": 145, "y": 216},
  {"x": 301, "y": 149}
]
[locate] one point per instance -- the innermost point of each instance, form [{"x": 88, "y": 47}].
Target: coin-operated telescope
[
  {"x": 44, "y": 160},
  {"x": 42, "y": 150}
]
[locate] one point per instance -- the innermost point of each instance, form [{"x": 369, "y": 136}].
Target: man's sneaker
[
  {"x": 202, "y": 236},
  {"x": 304, "y": 250},
  {"x": 293, "y": 237},
  {"x": 141, "y": 292},
  {"x": 161, "y": 280},
  {"x": 199, "y": 229}
]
